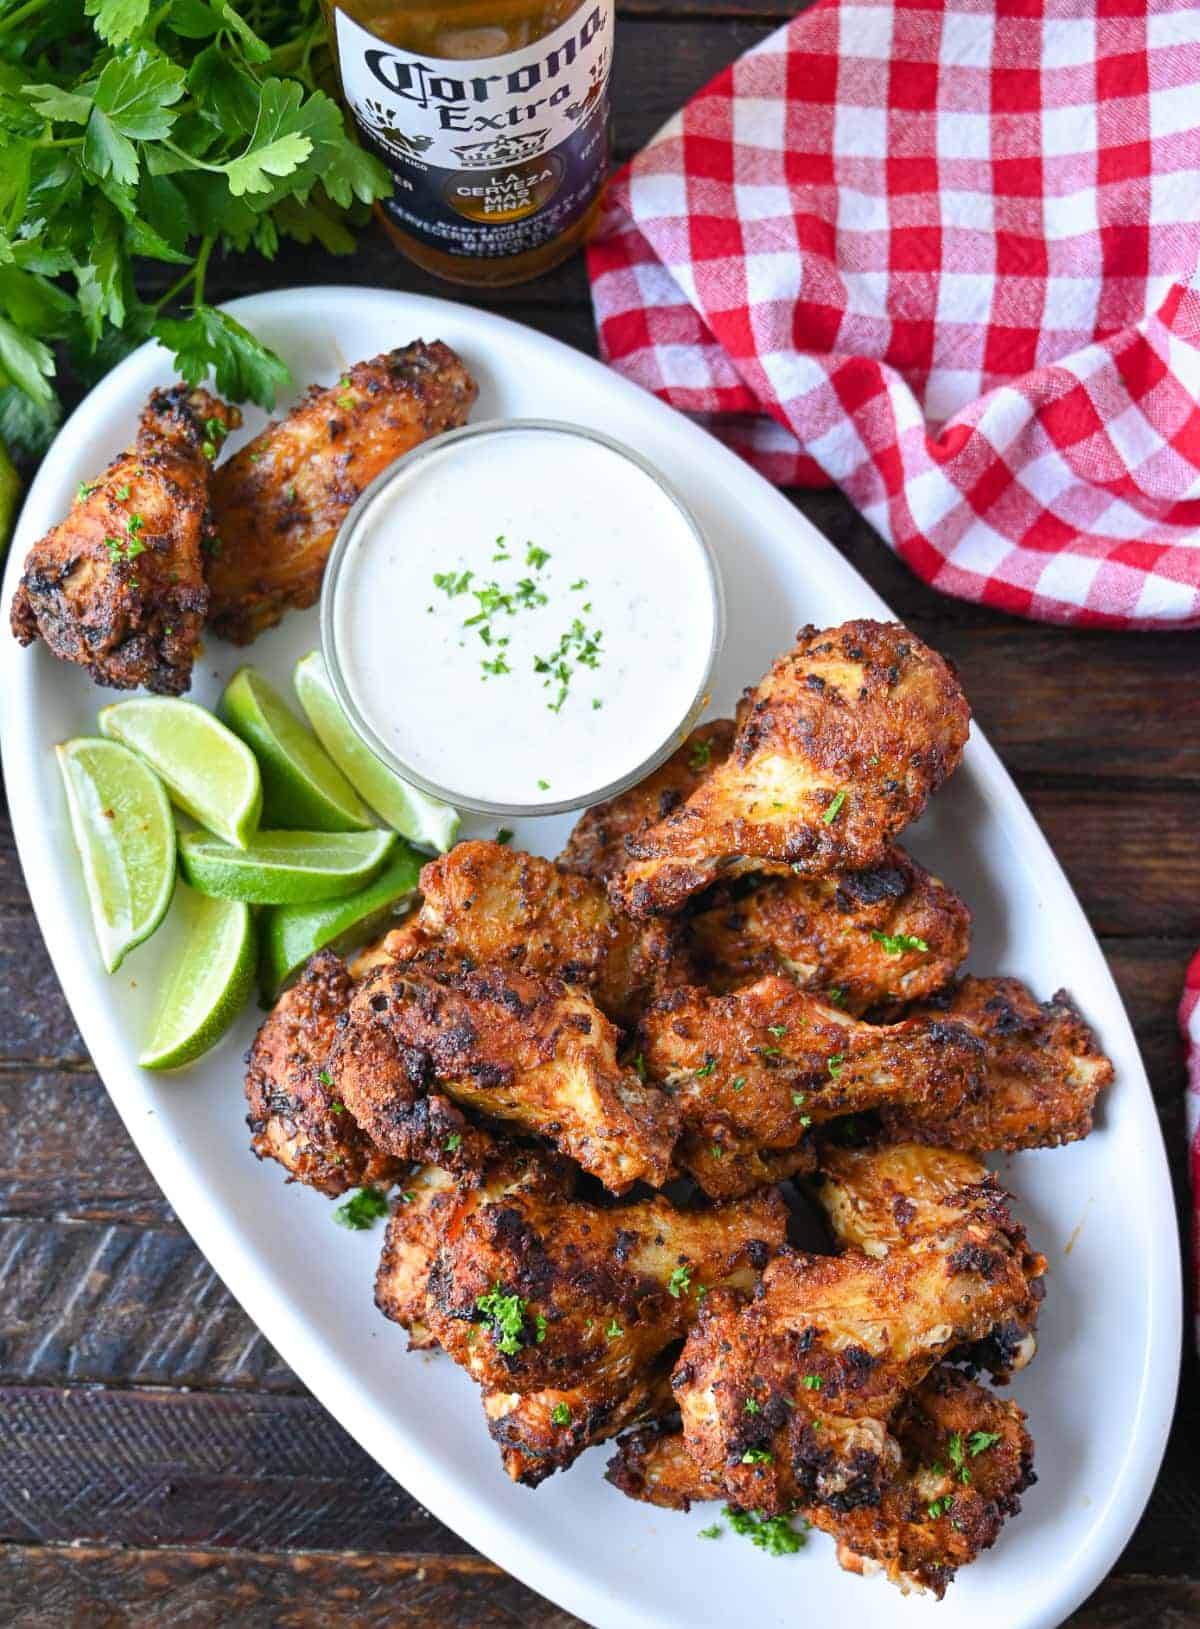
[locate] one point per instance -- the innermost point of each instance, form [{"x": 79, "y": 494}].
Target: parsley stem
[{"x": 29, "y": 9}]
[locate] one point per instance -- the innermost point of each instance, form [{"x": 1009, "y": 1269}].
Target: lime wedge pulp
[
  {"x": 422, "y": 819},
  {"x": 290, "y": 934},
  {"x": 208, "y": 772},
  {"x": 208, "y": 985},
  {"x": 284, "y": 867},
  {"x": 303, "y": 789},
  {"x": 126, "y": 841}
]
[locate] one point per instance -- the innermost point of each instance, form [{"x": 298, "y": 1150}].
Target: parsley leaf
[
  {"x": 834, "y": 809},
  {"x": 680, "y": 1281},
  {"x": 895, "y": 944},
  {"x": 507, "y": 1316},
  {"x": 362, "y": 1210}
]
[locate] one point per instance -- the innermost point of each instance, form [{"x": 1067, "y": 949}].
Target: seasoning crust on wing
[
  {"x": 296, "y": 1116},
  {"x": 410, "y": 1243},
  {"x": 279, "y": 501},
  {"x": 750, "y": 1072},
  {"x": 841, "y": 745},
  {"x": 422, "y": 1043},
  {"x": 891, "y": 934},
  {"x": 118, "y": 585},
  {"x": 596, "y": 848},
  {"x": 495, "y": 904},
  {"x": 1042, "y": 1072}
]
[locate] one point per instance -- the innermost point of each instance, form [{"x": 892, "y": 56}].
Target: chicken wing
[
  {"x": 422, "y": 1043},
  {"x": 787, "y": 1398},
  {"x": 532, "y": 1289},
  {"x": 296, "y": 1116},
  {"x": 279, "y": 501},
  {"x": 494, "y": 904},
  {"x": 868, "y": 938},
  {"x": 1042, "y": 1072},
  {"x": 596, "y": 848},
  {"x": 409, "y": 1245},
  {"x": 965, "y": 1458},
  {"x": 750, "y": 1072},
  {"x": 840, "y": 748},
  {"x": 118, "y": 586}
]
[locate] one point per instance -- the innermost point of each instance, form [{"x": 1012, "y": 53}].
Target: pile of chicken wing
[{"x": 612, "y": 1090}]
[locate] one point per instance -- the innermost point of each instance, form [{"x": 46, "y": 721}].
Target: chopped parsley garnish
[
  {"x": 834, "y": 809},
  {"x": 770, "y": 1052},
  {"x": 539, "y": 1325},
  {"x": 939, "y": 1507},
  {"x": 836, "y": 996},
  {"x": 544, "y": 785},
  {"x": 958, "y": 1455},
  {"x": 507, "y": 1316},
  {"x": 707, "y": 1067},
  {"x": 362, "y": 1210},
  {"x": 580, "y": 582},
  {"x": 757, "y": 1456},
  {"x": 122, "y": 493},
  {"x": 798, "y": 1099},
  {"x": 753, "y": 1406},
  {"x": 738, "y": 1083},
  {"x": 806, "y": 1120},
  {"x": 575, "y": 645},
  {"x": 614, "y": 1330},
  {"x": 714, "y": 1531},
  {"x": 337, "y": 1108},
  {"x": 596, "y": 704},
  {"x": 700, "y": 756},
  {"x": 504, "y": 836},
  {"x": 407, "y": 1197},
  {"x": 680, "y": 1281},
  {"x": 639, "y": 1063},
  {"x": 536, "y": 557},
  {"x": 811, "y": 1382},
  {"x": 85, "y": 489},
  {"x": 325, "y": 1078},
  {"x": 835, "y": 1064},
  {"x": 560, "y": 1414},
  {"x": 778, "y": 1030},
  {"x": 980, "y": 1441},
  {"x": 897, "y": 943},
  {"x": 453, "y": 1141},
  {"x": 717, "y": 1152},
  {"x": 774, "y": 1534},
  {"x": 452, "y": 583}
]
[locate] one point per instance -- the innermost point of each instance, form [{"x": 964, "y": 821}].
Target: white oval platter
[{"x": 1101, "y": 1392}]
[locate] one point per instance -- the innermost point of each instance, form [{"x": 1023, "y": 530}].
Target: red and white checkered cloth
[
  {"x": 945, "y": 254},
  {"x": 1189, "y": 1023}
]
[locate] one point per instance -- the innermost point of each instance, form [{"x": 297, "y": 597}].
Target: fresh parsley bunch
[{"x": 165, "y": 130}]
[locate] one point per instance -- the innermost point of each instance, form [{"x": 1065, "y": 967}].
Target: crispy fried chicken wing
[
  {"x": 421, "y": 1044},
  {"x": 118, "y": 586},
  {"x": 893, "y": 933},
  {"x": 279, "y": 501},
  {"x": 596, "y": 848},
  {"x": 840, "y": 748},
  {"x": 1042, "y": 1072},
  {"x": 965, "y": 1458},
  {"x": 491, "y": 903},
  {"x": 409, "y": 1245},
  {"x": 533, "y": 1289},
  {"x": 787, "y": 1398},
  {"x": 751, "y": 1071},
  {"x": 296, "y": 1116}
]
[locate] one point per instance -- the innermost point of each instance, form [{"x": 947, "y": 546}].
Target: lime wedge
[
  {"x": 290, "y": 934},
  {"x": 126, "y": 841},
  {"x": 209, "y": 984},
  {"x": 303, "y": 789},
  {"x": 423, "y": 820},
  {"x": 284, "y": 867},
  {"x": 208, "y": 771}
]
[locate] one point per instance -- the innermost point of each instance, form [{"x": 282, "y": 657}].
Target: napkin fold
[{"x": 945, "y": 254}]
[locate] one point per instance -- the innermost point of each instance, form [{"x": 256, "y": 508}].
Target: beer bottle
[{"x": 493, "y": 118}]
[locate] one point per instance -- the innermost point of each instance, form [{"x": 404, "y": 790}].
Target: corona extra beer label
[{"x": 491, "y": 156}]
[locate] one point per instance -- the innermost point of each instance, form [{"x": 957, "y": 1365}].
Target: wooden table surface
[{"x": 159, "y": 1463}]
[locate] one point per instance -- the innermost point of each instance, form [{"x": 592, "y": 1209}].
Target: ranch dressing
[{"x": 522, "y": 617}]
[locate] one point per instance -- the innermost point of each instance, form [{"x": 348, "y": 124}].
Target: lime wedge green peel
[
  {"x": 423, "y": 820},
  {"x": 126, "y": 841},
  {"x": 209, "y": 984},
  {"x": 303, "y": 789},
  {"x": 284, "y": 867},
  {"x": 208, "y": 772},
  {"x": 290, "y": 934}
]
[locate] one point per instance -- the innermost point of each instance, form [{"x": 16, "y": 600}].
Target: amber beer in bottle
[{"x": 493, "y": 118}]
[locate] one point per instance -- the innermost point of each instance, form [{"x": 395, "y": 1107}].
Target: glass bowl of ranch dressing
[{"x": 521, "y": 617}]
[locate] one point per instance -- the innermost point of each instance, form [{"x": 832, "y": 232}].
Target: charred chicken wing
[
  {"x": 752, "y": 1071},
  {"x": 1042, "y": 1072},
  {"x": 839, "y": 749},
  {"x": 869, "y": 938},
  {"x": 421, "y": 1044},
  {"x": 296, "y": 1116},
  {"x": 494, "y": 904},
  {"x": 118, "y": 586},
  {"x": 533, "y": 1289},
  {"x": 786, "y": 1399},
  {"x": 279, "y": 501}
]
